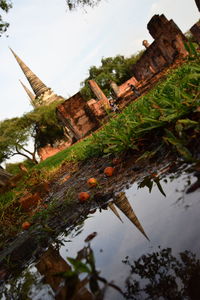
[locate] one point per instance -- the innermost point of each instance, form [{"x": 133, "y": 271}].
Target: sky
[{"x": 60, "y": 46}]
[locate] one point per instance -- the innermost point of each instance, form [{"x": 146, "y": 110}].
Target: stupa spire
[
  {"x": 37, "y": 85},
  {"x": 29, "y": 93}
]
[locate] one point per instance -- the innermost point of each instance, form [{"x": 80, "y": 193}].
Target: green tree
[
  {"x": 14, "y": 137},
  {"x": 117, "y": 69},
  {"x": 40, "y": 125},
  {"x": 48, "y": 129}
]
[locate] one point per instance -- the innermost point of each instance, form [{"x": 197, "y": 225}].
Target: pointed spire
[
  {"x": 114, "y": 210},
  {"x": 37, "y": 85},
  {"x": 29, "y": 93},
  {"x": 123, "y": 204}
]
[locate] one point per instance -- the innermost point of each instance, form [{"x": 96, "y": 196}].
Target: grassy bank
[
  {"x": 168, "y": 114},
  {"x": 168, "y": 105}
]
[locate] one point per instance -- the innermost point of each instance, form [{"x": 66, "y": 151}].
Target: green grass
[
  {"x": 6, "y": 198},
  {"x": 14, "y": 169},
  {"x": 168, "y": 103},
  {"x": 168, "y": 109},
  {"x": 73, "y": 153}
]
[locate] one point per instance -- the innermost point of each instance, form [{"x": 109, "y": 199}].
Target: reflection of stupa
[
  {"x": 114, "y": 210},
  {"x": 50, "y": 265},
  {"x": 123, "y": 204}
]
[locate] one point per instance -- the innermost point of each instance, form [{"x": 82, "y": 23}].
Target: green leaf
[
  {"x": 79, "y": 266},
  {"x": 147, "y": 181},
  {"x": 157, "y": 181}
]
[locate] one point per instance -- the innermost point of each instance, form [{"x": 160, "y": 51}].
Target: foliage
[
  {"x": 149, "y": 180},
  {"x": 162, "y": 275},
  {"x": 169, "y": 102},
  {"x": 72, "y": 4},
  {"x": 48, "y": 128},
  {"x": 167, "y": 105},
  {"x": 41, "y": 125},
  {"x": 14, "y": 135},
  {"x": 117, "y": 69},
  {"x": 13, "y": 168},
  {"x": 5, "y": 5}
]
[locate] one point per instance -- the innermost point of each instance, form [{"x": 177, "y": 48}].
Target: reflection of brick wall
[{"x": 168, "y": 44}]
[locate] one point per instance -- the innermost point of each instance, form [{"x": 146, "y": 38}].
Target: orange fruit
[
  {"x": 108, "y": 171},
  {"x": 92, "y": 182},
  {"x": 26, "y": 225},
  {"x": 83, "y": 196}
]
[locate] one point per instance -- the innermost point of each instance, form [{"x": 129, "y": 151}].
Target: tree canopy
[
  {"x": 41, "y": 125},
  {"x": 72, "y": 4},
  {"x": 117, "y": 69}
]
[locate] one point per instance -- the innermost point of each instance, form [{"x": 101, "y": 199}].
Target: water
[{"x": 170, "y": 222}]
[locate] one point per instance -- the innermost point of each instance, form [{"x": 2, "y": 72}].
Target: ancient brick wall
[
  {"x": 80, "y": 118},
  {"x": 48, "y": 150},
  {"x": 167, "y": 46},
  {"x": 195, "y": 30},
  {"x": 75, "y": 117},
  {"x": 124, "y": 88}
]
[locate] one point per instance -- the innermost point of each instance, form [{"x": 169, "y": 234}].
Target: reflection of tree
[
  {"x": 160, "y": 275},
  {"x": 84, "y": 264},
  {"x": 149, "y": 180}
]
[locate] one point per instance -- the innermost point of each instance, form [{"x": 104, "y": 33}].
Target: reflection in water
[
  {"x": 54, "y": 269},
  {"x": 195, "y": 185},
  {"x": 156, "y": 275},
  {"x": 114, "y": 210},
  {"x": 160, "y": 275},
  {"x": 123, "y": 204},
  {"x": 65, "y": 279},
  {"x": 149, "y": 180}
]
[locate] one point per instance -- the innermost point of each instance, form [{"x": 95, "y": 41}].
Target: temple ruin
[
  {"x": 168, "y": 45},
  {"x": 80, "y": 118}
]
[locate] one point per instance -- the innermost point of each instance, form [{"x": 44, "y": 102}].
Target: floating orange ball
[
  {"x": 83, "y": 196},
  {"x": 108, "y": 171},
  {"x": 26, "y": 225},
  {"x": 92, "y": 182}
]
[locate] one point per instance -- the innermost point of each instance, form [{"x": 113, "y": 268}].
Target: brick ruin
[
  {"x": 79, "y": 117},
  {"x": 195, "y": 30},
  {"x": 168, "y": 45}
]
